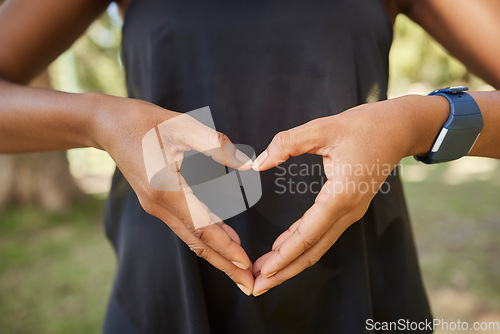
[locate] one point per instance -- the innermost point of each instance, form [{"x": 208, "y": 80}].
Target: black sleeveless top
[{"x": 262, "y": 67}]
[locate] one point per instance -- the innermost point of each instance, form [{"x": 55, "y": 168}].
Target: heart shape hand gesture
[{"x": 362, "y": 136}]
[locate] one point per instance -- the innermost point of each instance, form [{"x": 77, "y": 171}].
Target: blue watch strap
[{"x": 461, "y": 129}]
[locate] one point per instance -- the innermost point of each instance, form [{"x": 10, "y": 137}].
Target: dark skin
[{"x": 34, "y": 33}]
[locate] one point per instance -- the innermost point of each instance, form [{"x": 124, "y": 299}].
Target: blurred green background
[{"x": 56, "y": 268}]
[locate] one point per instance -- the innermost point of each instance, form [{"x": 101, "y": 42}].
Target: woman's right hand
[{"x": 120, "y": 128}]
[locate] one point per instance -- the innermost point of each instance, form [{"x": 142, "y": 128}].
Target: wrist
[
  {"x": 101, "y": 108},
  {"x": 426, "y": 116}
]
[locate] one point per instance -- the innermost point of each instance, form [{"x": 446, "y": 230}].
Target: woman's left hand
[{"x": 360, "y": 147}]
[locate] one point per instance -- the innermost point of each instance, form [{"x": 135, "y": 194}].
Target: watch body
[{"x": 459, "y": 133}]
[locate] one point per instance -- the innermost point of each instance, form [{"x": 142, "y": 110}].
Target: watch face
[{"x": 456, "y": 89}]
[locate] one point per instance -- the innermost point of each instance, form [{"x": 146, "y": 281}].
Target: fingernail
[
  {"x": 269, "y": 275},
  {"x": 239, "y": 265},
  {"x": 243, "y": 158},
  {"x": 259, "y": 293},
  {"x": 245, "y": 290},
  {"x": 260, "y": 160}
]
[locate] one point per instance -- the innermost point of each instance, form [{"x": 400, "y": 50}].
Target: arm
[
  {"x": 427, "y": 119},
  {"x": 36, "y": 119},
  {"x": 469, "y": 30},
  {"x": 488, "y": 143},
  {"x": 381, "y": 134},
  {"x": 34, "y": 33}
]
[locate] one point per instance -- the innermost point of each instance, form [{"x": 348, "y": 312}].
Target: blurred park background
[{"x": 56, "y": 266}]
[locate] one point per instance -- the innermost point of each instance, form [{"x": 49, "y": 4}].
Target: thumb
[{"x": 286, "y": 144}]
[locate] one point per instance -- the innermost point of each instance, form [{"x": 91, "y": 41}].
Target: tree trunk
[{"x": 41, "y": 179}]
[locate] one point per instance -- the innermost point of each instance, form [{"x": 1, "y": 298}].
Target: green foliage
[
  {"x": 55, "y": 270},
  {"x": 456, "y": 229},
  {"x": 417, "y": 58},
  {"x": 93, "y": 63}
]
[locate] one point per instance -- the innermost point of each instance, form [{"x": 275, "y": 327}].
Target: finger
[
  {"x": 307, "y": 259},
  {"x": 197, "y": 217},
  {"x": 258, "y": 264},
  {"x": 195, "y": 211},
  {"x": 218, "y": 239},
  {"x": 283, "y": 236},
  {"x": 310, "y": 228},
  {"x": 293, "y": 142},
  {"x": 232, "y": 233},
  {"x": 193, "y": 135},
  {"x": 243, "y": 278},
  {"x": 207, "y": 228},
  {"x": 229, "y": 230}
]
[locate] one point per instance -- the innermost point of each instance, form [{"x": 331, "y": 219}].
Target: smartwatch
[{"x": 459, "y": 133}]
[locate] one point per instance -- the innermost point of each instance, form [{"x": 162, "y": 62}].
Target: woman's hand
[
  {"x": 360, "y": 147},
  {"x": 120, "y": 130}
]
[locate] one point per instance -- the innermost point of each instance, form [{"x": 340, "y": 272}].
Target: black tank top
[{"x": 262, "y": 67}]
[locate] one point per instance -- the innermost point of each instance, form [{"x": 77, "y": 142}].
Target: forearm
[
  {"x": 488, "y": 143},
  {"x": 427, "y": 114},
  {"x": 36, "y": 119}
]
